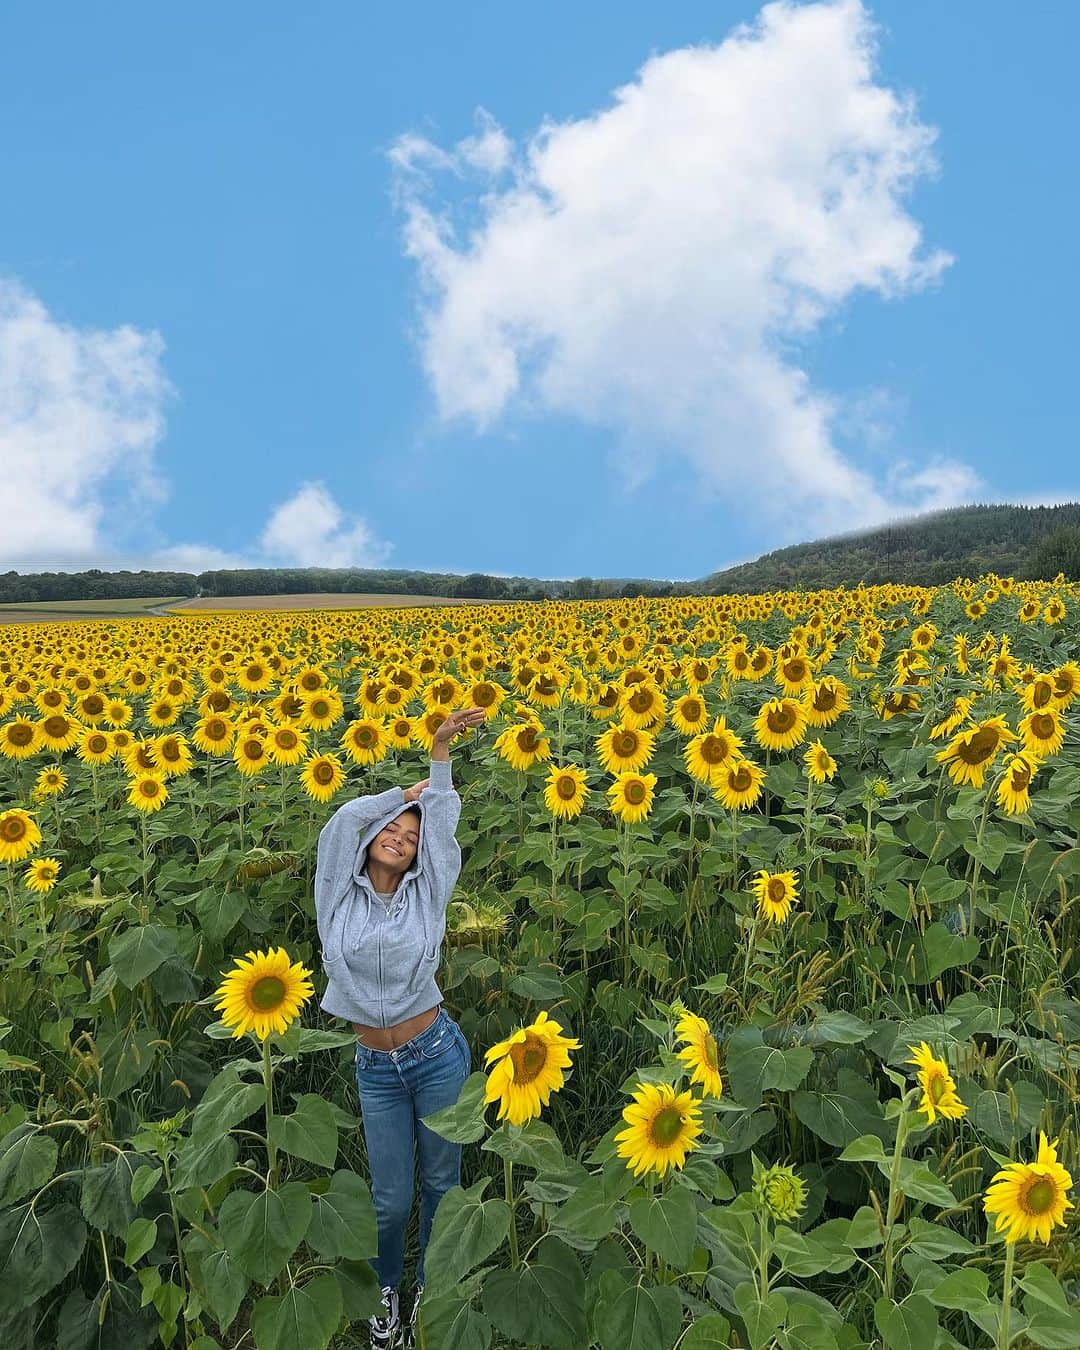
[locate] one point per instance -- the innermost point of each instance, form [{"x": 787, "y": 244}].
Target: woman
[{"x": 386, "y": 868}]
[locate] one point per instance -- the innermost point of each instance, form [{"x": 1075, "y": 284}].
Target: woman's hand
[
  {"x": 456, "y": 722},
  {"x": 412, "y": 793}
]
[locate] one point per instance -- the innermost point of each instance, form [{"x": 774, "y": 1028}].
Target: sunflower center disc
[
  {"x": 635, "y": 793},
  {"x": 567, "y": 789},
  {"x": 14, "y": 830},
  {"x": 1039, "y": 1197},
  {"x": 936, "y": 1088},
  {"x": 528, "y": 1059},
  {"x": 980, "y": 748},
  {"x": 666, "y": 1126},
  {"x": 267, "y": 993},
  {"x": 1043, "y": 727},
  {"x": 710, "y": 1051},
  {"x": 777, "y": 890}
]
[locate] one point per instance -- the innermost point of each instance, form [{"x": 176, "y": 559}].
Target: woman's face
[{"x": 394, "y": 847}]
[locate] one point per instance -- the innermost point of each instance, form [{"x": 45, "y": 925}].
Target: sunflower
[
  {"x": 523, "y": 744},
  {"x": 1014, "y": 790},
  {"x": 399, "y": 733},
  {"x": 565, "y": 793},
  {"x": 775, "y": 892},
  {"x": 1066, "y": 682},
  {"x": 91, "y": 707},
  {"x": 162, "y": 712},
  {"x": 172, "y": 755},
  {"x": 740, "y": 784},
  {"x": 1027, "y": 1200},
  {"x": 488, "y": 695},
  {"x": 20, "y": 738},
  {"x": 139, "y": 758},
  {"x": 286, "y": 745},
  {"x": 780, "y": 1191},
  {"x": 939, "y": 1097},
  {"x": 970, "y": 753},
  {"x": 1055, "y": 610},
  {"x": 95, "y": 747},
  {"x": 19, "y": 835},
  {"x": 1029, "y": 611},
  {"x": 780, "y": 724},
  {"x": 42, "y": 875},
  {"x": 58, "y": 732},
  {"x": 699, "y": 1054},
  {"x": 632, "y": 795},
  {"x": 642, "y": 705},
  {"x": 148, "y": 793},
  {"x": 321, "y": 709},
  {"x": 364, "y": 741},
  {"x": 50, "y": 782},
  {"x": 118, "y": 713},
  {"x": 1042, "y": 733},
  {"x": 52, "y": 699},
  {"x": 820, "y": 765},
  {"x": 709, "y": 754},
  {"x": 213, "y": 735},
  {"x": 794, "y": 673},
  {"x": 662, "y": 1127},
  {"x": 251, "y": 754},
  {"x": 622, "y": 747},
  {"x": 527, "y": 1069},
  {"x": 956, "y": 716},
  {"x": 263, "y": 993},
  {"x": 254, "y": 676},
  {"x": 689, "y": 714},
  {"x": 322, "y": 777}
]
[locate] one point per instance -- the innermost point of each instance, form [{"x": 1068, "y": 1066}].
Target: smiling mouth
[{"x": 391, "y": 849}]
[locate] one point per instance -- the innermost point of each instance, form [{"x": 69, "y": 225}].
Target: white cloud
[
  {"x": 81, "y": 412},
  {"x": 310, "y": 530},
  {"x": 654, "y": 267},
  {"x": 81, "y": 416}
]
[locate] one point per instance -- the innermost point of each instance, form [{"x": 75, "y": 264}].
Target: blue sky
[{"x": 308, "y": 284}]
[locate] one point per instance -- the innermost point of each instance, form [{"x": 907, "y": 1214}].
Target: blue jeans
[{"x": 396, "y": 1088}]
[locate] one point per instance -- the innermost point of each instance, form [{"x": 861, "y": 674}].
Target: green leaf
[
  {"x": 37, "y": 1250},
  {"x": 262, "y": 1229},
  {"x": 968, "y": 1290},
  {"x": 711, "y": 1332},
  {"x": 343, "y": 1220},
  {"x": 138, "y": 952},
  {"x": 226, "y": 1102},
  {"x": 218, "y": 1280},
  {"x": 27, "y": 1161},
  {"x": 543, "y": 1302},
  {"x": 755, "y": 1068},
  {"x": 140, "y": 1237},
  {"x": 204, "y": 1159},
  {"x": 918, "y": 1182},
  {"x": 361, "y": 1296},
  {"x": 911, "y": 1325},
  {"x": 865, "y": 1229},
  {"x": 590, "y": 1212},
  {"x": 642, "y": 1318},
  {"x": 465, "y": 1230},
  {"x": 462, "y": 1123},
  {"x": 842, "y": 1114},
  {"x": 219, "y": 912},
  {"x": 143, "y": 1181},
  {"x": 301, "y": 1319},
  {"x": 1040, "y": 1282},
  {"x": 309, "y": 1133},
  {"x": 867, "y": 1148},
  {"x": 105, "y": 1199},
  {"x": 935, "y": 1242},
  {"x": 1007, "y": 1119},
  {"x": 921, "y": 958},
  {"x": 838, "y": 1028},
  {"x": 452, "y": 1323},
  {"x": 127, "y": 1055},
  {"x": 535, "y": 1144},
  {"x": 667, "y": 1224},
  {"x": 762, "y": 1317},
  {"x": 540, "y": 983}
]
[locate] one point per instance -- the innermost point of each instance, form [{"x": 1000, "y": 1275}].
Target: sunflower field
[{"x": 766, "y": 943}]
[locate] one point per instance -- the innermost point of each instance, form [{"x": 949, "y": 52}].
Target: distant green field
[{"x": 46, "y": 611}]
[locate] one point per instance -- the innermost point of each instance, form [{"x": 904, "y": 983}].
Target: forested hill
[{"x": 1020, "y": 541}]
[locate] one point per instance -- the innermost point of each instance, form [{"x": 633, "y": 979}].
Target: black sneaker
[{"x": 385, "y": 1331}]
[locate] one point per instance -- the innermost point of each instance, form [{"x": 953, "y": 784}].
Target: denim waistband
[{"x": 411, "y": 1048}]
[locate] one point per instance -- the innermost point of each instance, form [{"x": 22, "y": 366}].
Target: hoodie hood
[{"x": 416, "y": 869}]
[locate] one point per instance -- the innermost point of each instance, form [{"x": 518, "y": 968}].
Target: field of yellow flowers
[{"x": 766, "y": 943}]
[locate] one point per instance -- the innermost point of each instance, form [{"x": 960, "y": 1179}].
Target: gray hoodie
[{"x": 380, "y": 960}]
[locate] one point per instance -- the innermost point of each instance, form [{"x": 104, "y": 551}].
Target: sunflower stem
[
  {"x": 1002, "y": 1342},
  {"x": 268, "y": 1084},
  {"x": 892, "y": 1209},
  {"x": 508, "y": 1182}
]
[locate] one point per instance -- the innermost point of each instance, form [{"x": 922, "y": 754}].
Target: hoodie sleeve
[
  {"x": 336, "y": 851},
  {"x": 442, "y": 811}
]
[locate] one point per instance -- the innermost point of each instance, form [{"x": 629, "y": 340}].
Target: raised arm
[{"x": 442, "y": 807}]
